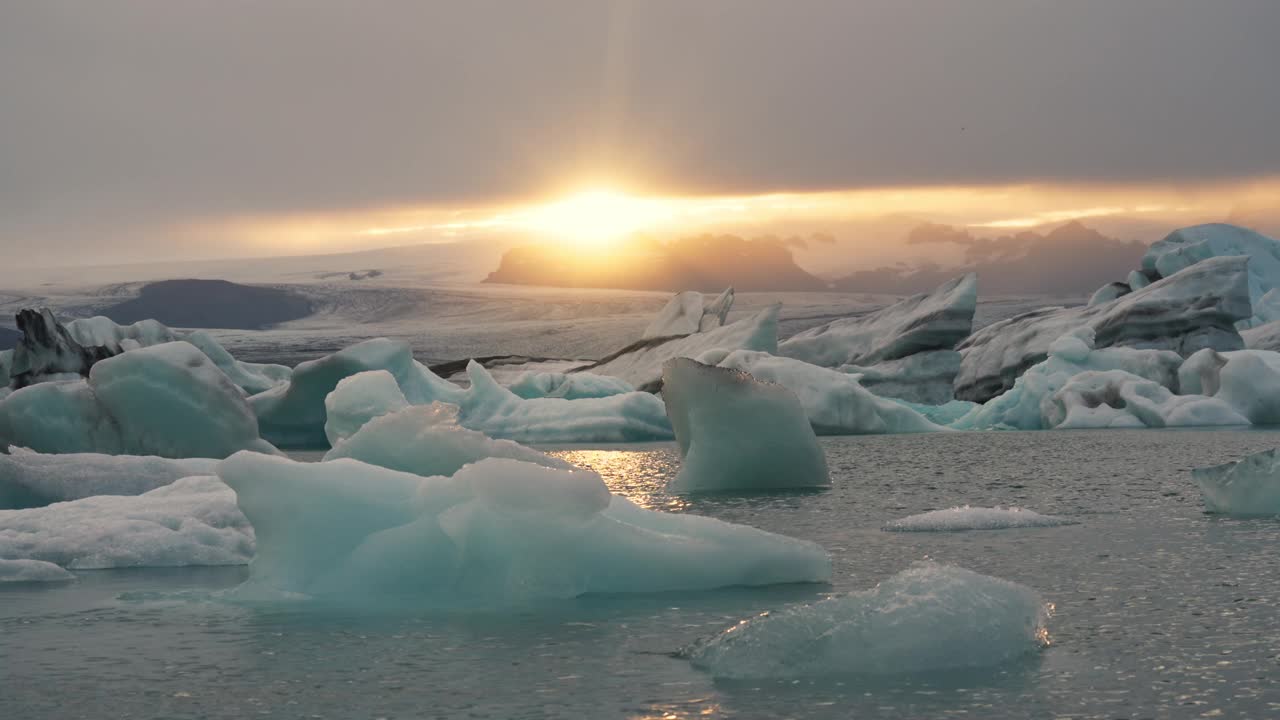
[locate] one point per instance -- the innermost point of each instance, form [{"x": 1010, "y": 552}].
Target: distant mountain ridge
[{"x": 1069, "y": 259}]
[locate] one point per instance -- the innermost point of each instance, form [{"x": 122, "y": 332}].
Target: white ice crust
[{"x": 974, "y": 518}]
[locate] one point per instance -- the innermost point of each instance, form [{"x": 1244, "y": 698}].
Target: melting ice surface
[
  {"x": 1162, "y": 610},
  {"x": 974, "y": 518},
  {"x": 927, "y": 618}
]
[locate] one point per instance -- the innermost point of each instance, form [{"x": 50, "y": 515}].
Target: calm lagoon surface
[{"x": 1161, "y": 611}]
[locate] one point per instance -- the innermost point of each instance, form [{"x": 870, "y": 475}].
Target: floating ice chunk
[
  {"x": 31, "y": 479},
  {"x": 641, "y": 362},
  {"x": 1109, "y": 292},
  {"x": 427, "y": 440},
  {"x": 716, "y": 313},
  {"x": 1023, "y": 407},
  {"x": 193, "y": 521},
  {"x": 497, "y": 412},
  {"x": 835, "y": 402},
  {"x": 945, "y": 414},
  {"x": 168, "y": 400},
  {"x": 688, "y": 313},
  {"x": 569, "y": 386},
  {"x": 927, "y": 618},
  {"x": 253, "y": 378},
  {"x": 926, "y": 377},
  {"x": 498, "y": 532},
  {"x": 294, "y": 414},
  {"x": 358, "y": 399},
  {"x": 1247, "y": 380},
  {"x": 1115, "y": 398},
  {"x": 737, "y": 433},
  {"x": 1247, "y": 487},
  {"x": 171, "y": 400},
  {"x": 1194, "y": 309},
  {"x": 32, "y": 571},
  {"x": 974, "y": 518},
  {"x": 929, "y": 321},
  {"x": 1188, "y": 246}
]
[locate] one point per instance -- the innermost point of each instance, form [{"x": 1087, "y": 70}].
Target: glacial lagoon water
[{"x": 1161, "y": 611}]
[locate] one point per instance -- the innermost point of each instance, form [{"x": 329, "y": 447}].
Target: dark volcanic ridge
[{"x": 211, "y": 304}]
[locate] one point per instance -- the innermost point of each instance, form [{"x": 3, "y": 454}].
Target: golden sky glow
[{"x": 594, "y": 216}]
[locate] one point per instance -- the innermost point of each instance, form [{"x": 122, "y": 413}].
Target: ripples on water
[{"x": 1161, "y": 610}]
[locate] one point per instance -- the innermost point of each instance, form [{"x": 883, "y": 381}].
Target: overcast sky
[{"x": 119, "y": 117}]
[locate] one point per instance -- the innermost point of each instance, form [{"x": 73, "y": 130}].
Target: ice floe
[
  {"x": 927, "y": 618},
  {"x": 1247, "y": 487},
  {"x": 974, "y": 518}
]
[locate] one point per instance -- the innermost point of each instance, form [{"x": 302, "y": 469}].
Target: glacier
[
  {"x": 427, "y": 440},
  {"x": 1192, "y": 309},
  {"x": 192, "y": 521},
  {"x": 31, "y": 479},
  {"x": 735, "y": 432},
  {"x": 640, "y": 363},
  {"x": 688, "y": 313},
  {"x": 974, "y": 518},
  {"x": 168, "y": 400},
  {"x": 1246, "y": 488},
  {"x": 927, "y": 618},
  {"x": 928, "y": 321},
  {"x": 498, "y": 532},
  {"x": 835, "y": 401}
]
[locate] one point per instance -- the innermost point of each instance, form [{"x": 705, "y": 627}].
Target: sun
[{"x": 597, "y": 217}]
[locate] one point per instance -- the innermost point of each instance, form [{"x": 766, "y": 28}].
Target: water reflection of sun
[{"x": 638, "y": 475}]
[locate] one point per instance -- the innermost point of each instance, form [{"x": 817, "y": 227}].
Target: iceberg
[
  {"x": 835, "y": 402},
  {"x": 52, "y": 351},
  {"x": 737, "y": 433},
  {"x": 1109, "y": 292},
  {"x": 1115, "y": 398},
  {"x": 359, "y": 398},
  {"x": 488, "y": 407},
  {"x": 1246, "y": 488},
  {"x": 1247, "y": 380},
  {"x": 1024, "y": 406},
  {"x": 427, "y": 440},
  {"x": 640, "y": 363},
  {"x": 31, "y": 479},
  {"x": 927, "y": 618},
  {"x": 1193, "y": 309},
  {"x": 1260, "y": 337},
  {"x": 1189, "y": 246},
  {"x": 32, "y": 571},
  {"x": 929, "y": 321},
  {"x": 926, "y": 378},
  {"x": 498, "y": 532},
  {"x": 193, "y": 521},
  {"x": 569, "y": 386},
  {"x": 494, "y": 410},
  {"x": 294, "y": 414},
  {"x": 167, "y": 400},
  {"x": 974, "y": 518},
  {"x": 687, "y": 313}
]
